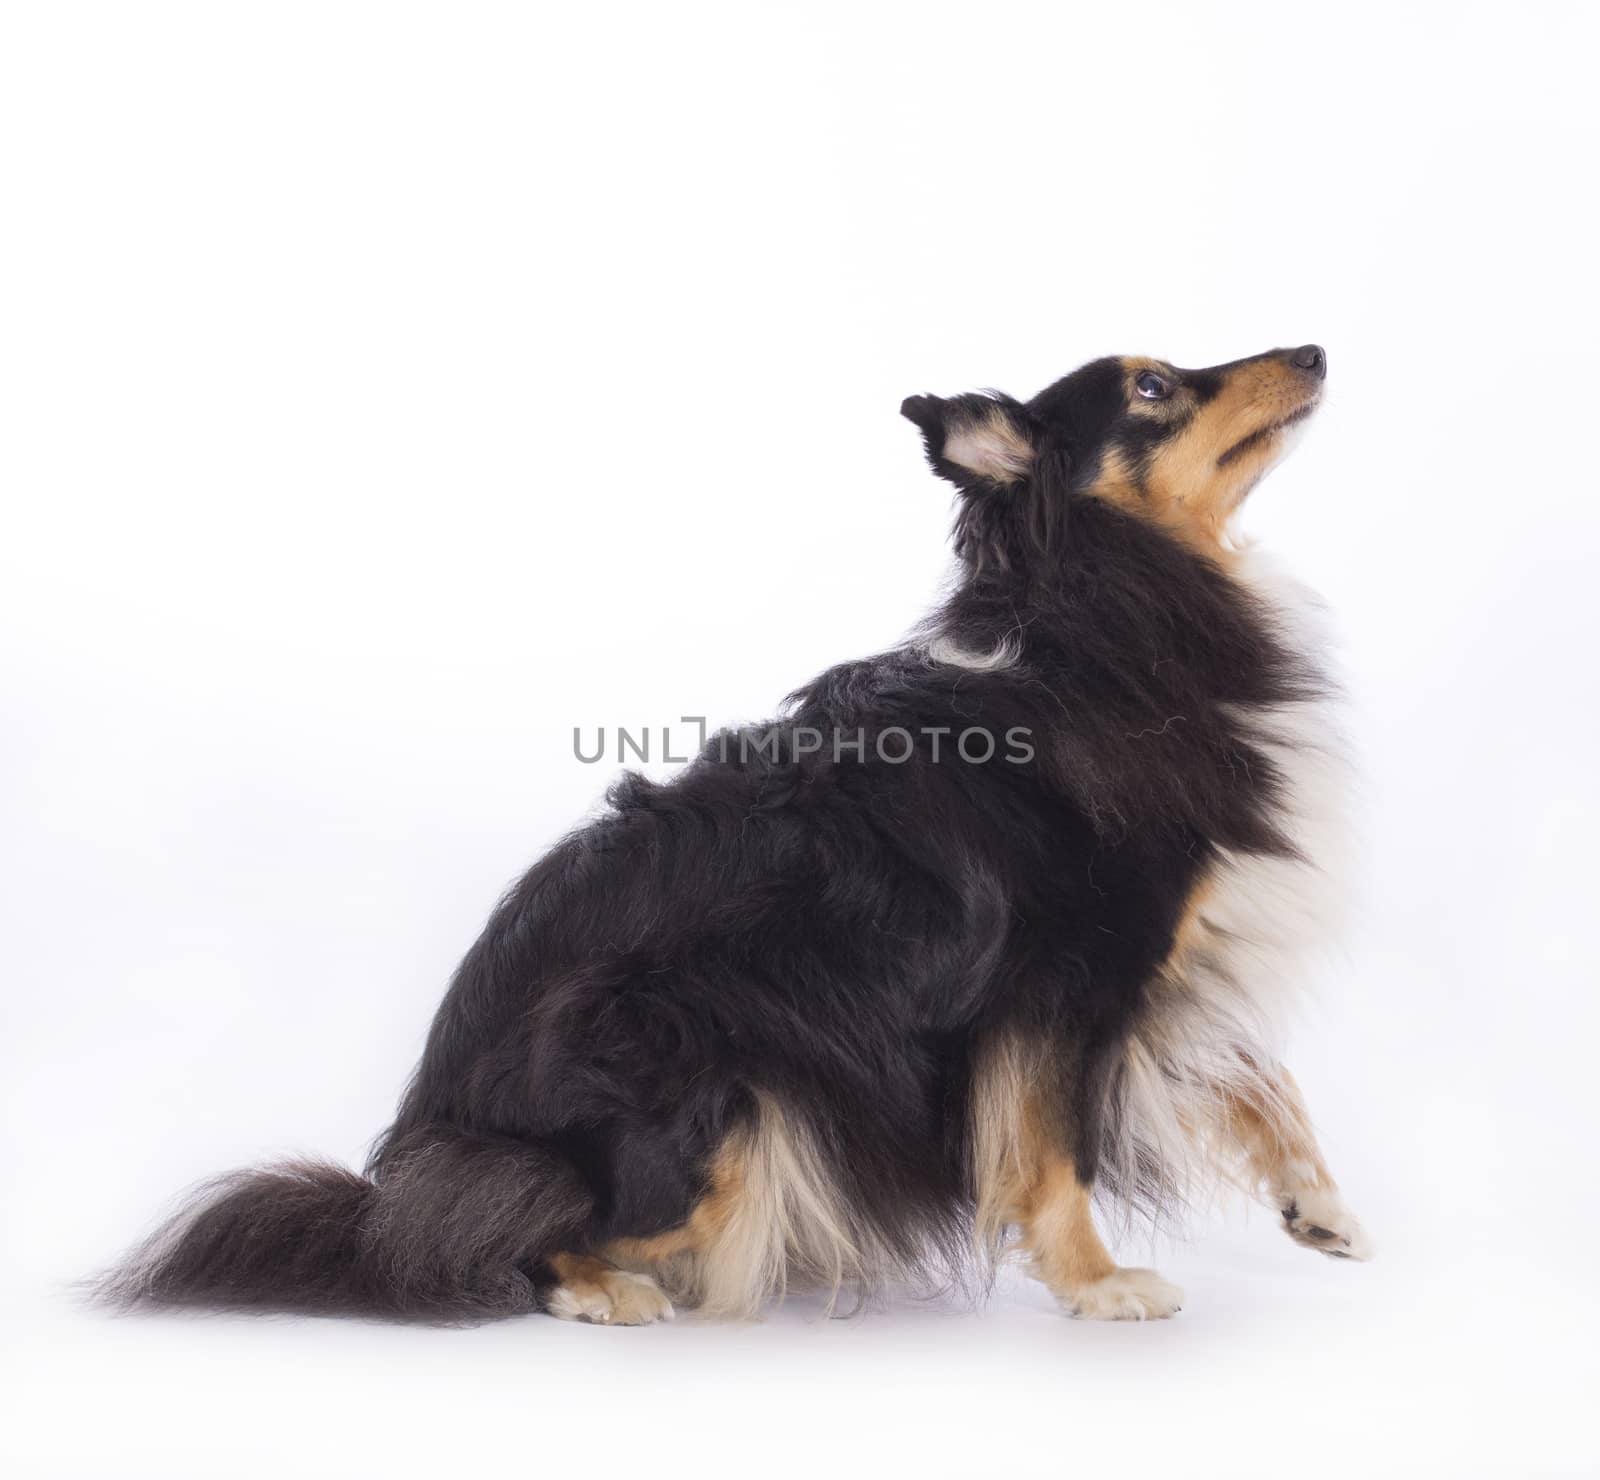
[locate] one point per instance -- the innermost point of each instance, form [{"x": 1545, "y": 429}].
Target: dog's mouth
[{"x": 1262, "y": 435}]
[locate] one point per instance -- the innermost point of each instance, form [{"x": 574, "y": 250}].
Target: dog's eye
[{"x": 1151, "y": 386}]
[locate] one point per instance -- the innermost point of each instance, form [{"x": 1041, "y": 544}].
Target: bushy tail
[{"x": 453, "y": 1227}]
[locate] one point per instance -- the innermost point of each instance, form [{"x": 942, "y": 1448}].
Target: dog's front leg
[
  {"x": 1286, "y": 1168},
  {"x": 1068, "y": 1256},
  {"x": 1025, "y": 1122}
]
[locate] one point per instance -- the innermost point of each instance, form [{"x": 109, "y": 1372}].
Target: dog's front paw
[
  {"x": 1317, "y": 1218},
  {"x": 1126, "y": 1295}
]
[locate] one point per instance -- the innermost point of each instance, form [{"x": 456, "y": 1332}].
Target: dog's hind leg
[
  {"x": 1271, "y": 1127},
  {"x": 591, "y": 1289}
]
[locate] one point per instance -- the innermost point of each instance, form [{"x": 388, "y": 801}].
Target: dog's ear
[{"x": 977, "y": 441}]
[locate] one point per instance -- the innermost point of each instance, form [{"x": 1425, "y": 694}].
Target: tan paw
[
  {"x": 1317, "y": 1218},
  {"x": 609, "y": 1297},
  {"x": 1126, "y": 1295}
]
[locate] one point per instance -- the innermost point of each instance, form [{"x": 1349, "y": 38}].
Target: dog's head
[{"x": 1181, "y": 448}]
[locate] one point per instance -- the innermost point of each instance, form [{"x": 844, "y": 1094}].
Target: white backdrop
[{"x": 388, "y": 389}]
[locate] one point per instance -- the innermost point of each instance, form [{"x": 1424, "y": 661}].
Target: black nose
[{"x": 1310, "y": 357}]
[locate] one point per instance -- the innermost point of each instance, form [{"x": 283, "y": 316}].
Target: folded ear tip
[{"x": 920, "y": 409}]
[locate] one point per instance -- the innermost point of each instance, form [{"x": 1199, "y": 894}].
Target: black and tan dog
[{"x": 985, "y": 925}]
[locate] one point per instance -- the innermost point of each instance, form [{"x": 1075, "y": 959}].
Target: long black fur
[{"x": 842, "y": 935}]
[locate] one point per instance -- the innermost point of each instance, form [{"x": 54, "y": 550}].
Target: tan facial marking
[{"x": 1196, "y": 479}]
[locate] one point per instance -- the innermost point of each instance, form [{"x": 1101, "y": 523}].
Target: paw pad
[{"x": 1327, "y": 1226}]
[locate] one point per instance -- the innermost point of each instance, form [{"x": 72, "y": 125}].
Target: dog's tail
[{"x": 453, "y": 1227}]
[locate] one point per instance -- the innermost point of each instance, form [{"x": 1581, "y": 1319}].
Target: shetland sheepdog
[{"x": 985, "y": 932}]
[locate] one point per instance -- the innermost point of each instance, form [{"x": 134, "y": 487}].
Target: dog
[{"x": 988, "y": 930}]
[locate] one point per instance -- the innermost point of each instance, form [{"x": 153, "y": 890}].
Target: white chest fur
[
  {"x": 1278, "y": 916},
  {"x": 1211, "y": 1034}
]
